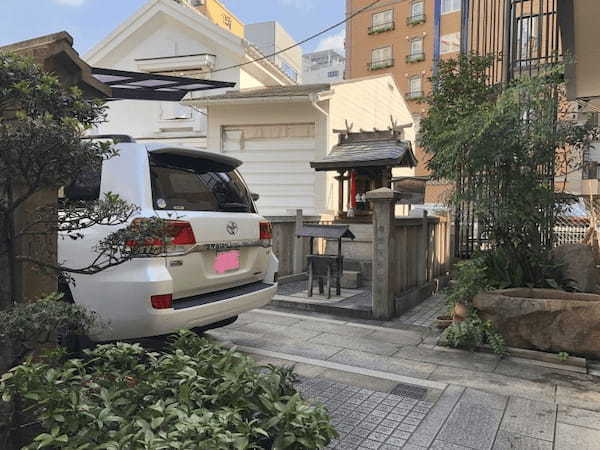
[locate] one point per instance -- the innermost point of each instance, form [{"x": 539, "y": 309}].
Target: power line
[{"x": 304, "y": 41}]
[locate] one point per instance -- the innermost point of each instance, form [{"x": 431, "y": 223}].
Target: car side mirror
[{"x": 255, "y": 197}]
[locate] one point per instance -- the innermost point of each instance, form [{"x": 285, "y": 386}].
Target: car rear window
[{"x": 197, "y": 184}]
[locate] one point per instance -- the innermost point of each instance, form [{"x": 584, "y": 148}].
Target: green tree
[
  {"x": 498, "y": 145},
  {"x": 41, "y": 150}
]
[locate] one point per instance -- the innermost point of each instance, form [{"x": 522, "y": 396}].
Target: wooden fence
[{"x": 421, "y": 251}]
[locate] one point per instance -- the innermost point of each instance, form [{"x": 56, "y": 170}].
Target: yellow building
[{"x": 219, "y": 14}]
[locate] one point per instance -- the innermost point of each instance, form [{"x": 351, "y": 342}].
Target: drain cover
[{"x": 410, "y": 391}]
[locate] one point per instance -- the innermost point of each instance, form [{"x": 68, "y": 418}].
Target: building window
[
  {"x": 450, "y": 43},
  {"x": 381, "y": 58},
  {"x": 416, "y": 53},
  {"x": 382, "y": 21},
  {"x": 417, "y": 13},
  {"x": 333, "y": 74},
  {"x": 527, "y": 38},
  {"x": 289, "y": 71},
  {"x": 415, "y": 89},
  {"x": 450, "y": 6}
]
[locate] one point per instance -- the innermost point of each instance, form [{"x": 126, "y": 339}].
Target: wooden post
[
  {"x": 298, "y": 261},
  {"x": 340, "y": 179},
  {"x": 383, "y": 201},
  {"x": 423, "y": 252}
]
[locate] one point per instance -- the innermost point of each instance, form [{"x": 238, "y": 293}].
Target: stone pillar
[
  {"x": 298, "y": 244},
  {"x": 383, "y": 201}
]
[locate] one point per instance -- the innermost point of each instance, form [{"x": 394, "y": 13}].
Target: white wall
[
  {"x": 277, "y": 169},
  {"x": 322, "y": 74},
  {"x": 366, "y": 103},
  {"x": 160, "y": 36}
]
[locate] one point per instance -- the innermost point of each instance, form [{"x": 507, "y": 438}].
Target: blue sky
[{"x": 89, "y": 21}]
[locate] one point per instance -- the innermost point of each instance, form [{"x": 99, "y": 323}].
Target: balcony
[
  {"x": 415, "y": 58},
  {"x": 414, "y": 95},
  {"x": 381, "y": 64},
  {"x": 415, "y": 20},
  {"x": 382, "y": 28}
]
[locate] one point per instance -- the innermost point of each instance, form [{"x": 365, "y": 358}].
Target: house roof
[
  {"x": 368, "y": 149},
  {"x": 55, "y": 53},
  {"x": 268, "y": 92}
]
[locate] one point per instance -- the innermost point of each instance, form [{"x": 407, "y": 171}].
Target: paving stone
[
  {"x": 474, "y": 421},
  {"x": 342, "y": 329},
  {"x": 396, "y": 441},
  {"x": 529, "y": 418},
  {"x": 375, "y": 362},
  {"x": 268, "y": 318},
  {"x": 450, "y": 357},
  {"x": 585, "y": 397},
  {"x": 495, "y": 383},
  {"x": 579, "y": 417},
  {"x": 398, "y": 337},
  {"x": 506, "y": 440},
  {"x": 569, "y": 437},
  {"x": 431, "y": 425},
  {"x": 441, "y": 445},
  {"x": 306, "y": 349},
  {"x": 357, "y": 343},
  {"x": 370, "y": 444}
]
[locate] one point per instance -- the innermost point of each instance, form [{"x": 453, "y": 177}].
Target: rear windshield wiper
[{"x": 235, "y": 207}]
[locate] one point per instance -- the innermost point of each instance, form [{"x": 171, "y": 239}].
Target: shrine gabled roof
[{"x": 391, "y": 152}]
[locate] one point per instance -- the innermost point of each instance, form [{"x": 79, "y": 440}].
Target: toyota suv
[{"x": 220, "y": 262}]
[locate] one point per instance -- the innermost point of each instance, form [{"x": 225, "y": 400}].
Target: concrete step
[{"x": 350, "y": 279}]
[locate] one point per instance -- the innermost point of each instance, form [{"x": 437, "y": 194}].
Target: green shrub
[
  {"x": 29, "y": 327},
  {"x": 474, "y": 332},
  {"x": 194, "y": 395},
  {"x": 470, "y": 280}
]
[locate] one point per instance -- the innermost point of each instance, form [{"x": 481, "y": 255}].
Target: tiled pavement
[
  {"x": 424, "y": 315},
  {"x": 479, "y": 401},
  {"x": 364, "y": 418}
]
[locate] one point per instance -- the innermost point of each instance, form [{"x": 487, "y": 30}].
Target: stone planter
[{"x": 544, "y": 319}]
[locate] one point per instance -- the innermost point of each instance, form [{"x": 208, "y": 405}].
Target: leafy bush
[
  {"x": 470, "y": 280},
  {"x": 195, "y": 395},
  {"x": 28, "y": 327},
  {"x": 474, "y": 332}
]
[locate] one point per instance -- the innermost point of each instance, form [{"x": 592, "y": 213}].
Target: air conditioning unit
[{"x": 197, "y": 2}]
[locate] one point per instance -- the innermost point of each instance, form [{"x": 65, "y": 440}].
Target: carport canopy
[{"x": 127, "y": 85}]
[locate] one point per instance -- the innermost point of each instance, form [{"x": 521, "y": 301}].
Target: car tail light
[
  {"x": 174, "y": 233},
  {"x": 182, "y": 232},
  {"x": 266, "y": 231},
  {"x": 162, "y": 301}
]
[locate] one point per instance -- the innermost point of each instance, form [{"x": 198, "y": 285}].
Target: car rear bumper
[{"x": 190, "y": 313}]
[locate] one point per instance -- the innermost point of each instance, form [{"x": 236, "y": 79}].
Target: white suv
[{"x": 221, "y": 263}]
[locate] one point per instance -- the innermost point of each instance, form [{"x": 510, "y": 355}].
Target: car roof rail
[{"x": 116, "y": 138}]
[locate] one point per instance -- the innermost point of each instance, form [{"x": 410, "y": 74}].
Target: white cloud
[
  {"x": 70, "y": 2},
  {"x": 332, "y": 42},
  {"x": 304, "y": 5}
]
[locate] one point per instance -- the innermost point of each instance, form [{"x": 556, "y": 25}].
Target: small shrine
[{"x": 365, "y": 160}]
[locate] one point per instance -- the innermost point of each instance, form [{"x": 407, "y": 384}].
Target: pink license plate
[{"x": 227, "y": 261}]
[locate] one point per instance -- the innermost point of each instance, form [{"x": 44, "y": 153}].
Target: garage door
[{"x": 276, "y": 164}]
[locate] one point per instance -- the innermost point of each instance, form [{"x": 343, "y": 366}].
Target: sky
[{"x": 89, "y": 21}]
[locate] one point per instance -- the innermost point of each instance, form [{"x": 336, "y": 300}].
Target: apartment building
[
  {"x": 324, "y": 66},
  {"x": 404, "y": 38},
  {"x": 270, "y": 38},
  {"x": 218, "y": 14}
]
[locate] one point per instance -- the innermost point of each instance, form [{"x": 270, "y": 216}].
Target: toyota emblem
[{"x": 232, "y": 228}]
